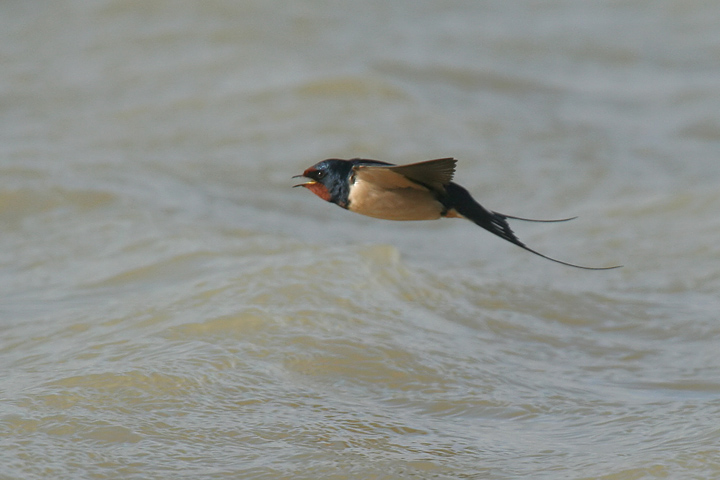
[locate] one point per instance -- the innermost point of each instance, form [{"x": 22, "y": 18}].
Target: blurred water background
[{"x": 171, "y": 308}]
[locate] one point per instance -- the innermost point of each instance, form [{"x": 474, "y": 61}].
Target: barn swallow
[{"x": 417, "y": 191}]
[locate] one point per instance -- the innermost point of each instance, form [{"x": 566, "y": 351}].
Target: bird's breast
[{"x": 372, "y": 200}]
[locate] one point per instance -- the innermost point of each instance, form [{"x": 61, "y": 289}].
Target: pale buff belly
[{"x": 393, "y": 204}]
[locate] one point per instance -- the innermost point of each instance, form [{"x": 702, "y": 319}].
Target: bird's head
[{"x": 328, "y": 180}]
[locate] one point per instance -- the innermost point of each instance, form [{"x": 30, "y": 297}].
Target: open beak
[{"x": 309, "y": 182}]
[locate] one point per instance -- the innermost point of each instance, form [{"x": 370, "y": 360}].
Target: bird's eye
[{"x": 320, "y": 174}]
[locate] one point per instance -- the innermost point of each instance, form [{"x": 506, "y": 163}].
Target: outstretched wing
[
  {"x": 429, "y": 175},
  {"x": 432, "y": 172}
]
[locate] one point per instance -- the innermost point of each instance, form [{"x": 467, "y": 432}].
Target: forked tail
[{"x": 462, "y": 202}]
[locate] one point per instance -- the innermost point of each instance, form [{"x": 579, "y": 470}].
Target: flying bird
[{"x": 417, "y": 191}]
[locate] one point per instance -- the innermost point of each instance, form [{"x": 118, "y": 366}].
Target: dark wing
[
  {"x": 384, "y": 177},
  {"x": 369, "y": 163},
  {"x": 433, "y": 173},
  {"x": 430, "y": 175}
]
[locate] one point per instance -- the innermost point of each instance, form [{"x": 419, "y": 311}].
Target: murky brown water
[{"x": 171, "y": 308}]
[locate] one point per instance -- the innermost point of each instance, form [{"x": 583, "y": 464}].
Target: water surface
[{"x": 171, "y": 308}]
